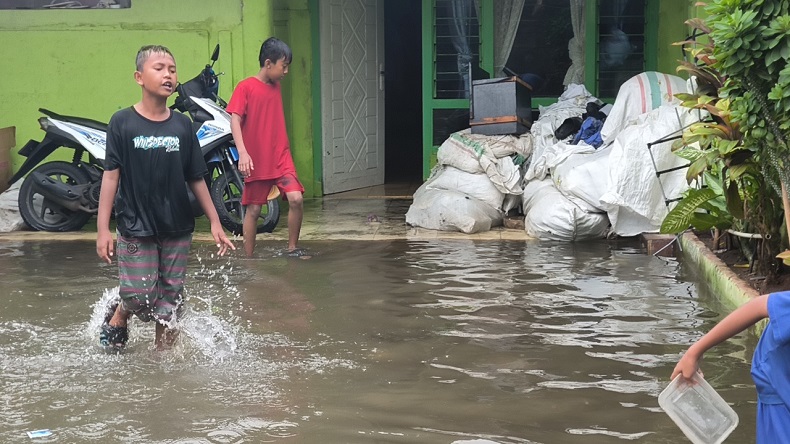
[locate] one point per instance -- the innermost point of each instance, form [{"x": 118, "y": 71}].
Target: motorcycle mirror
[{"x": 215, "y": 54}]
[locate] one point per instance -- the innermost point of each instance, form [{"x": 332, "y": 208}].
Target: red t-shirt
[{"x": 260, "y": 106}]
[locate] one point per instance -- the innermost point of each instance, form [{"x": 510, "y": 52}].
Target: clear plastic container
[{"x": 702, "y": 415}]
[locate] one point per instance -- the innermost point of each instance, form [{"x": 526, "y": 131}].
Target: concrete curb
[{"x": 731, "y": 290}]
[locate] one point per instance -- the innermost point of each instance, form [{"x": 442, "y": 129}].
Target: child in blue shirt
[{"x": 770, "y": 363}]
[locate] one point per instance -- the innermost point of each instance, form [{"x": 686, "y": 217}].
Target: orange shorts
[{"x": 258, "y": 192}]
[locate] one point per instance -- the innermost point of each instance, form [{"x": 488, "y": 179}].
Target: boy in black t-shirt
[{"x": 151, "y": 153}]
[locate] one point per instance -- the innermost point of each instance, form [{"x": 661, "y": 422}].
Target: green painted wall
[
  {"x": 671, "y": 29},
  {"x": 81, "y": 62},
  {"x": 292, "y": 23}
]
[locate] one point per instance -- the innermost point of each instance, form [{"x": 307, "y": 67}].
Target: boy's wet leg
[
  {"x": 295, "y": 214},
  {"x": 114, "y": 332},
  {"x": 250, "y": 227},
  {"x": 120, "y": 318}
]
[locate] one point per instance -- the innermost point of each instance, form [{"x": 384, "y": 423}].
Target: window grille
[
  {"x": 457, "y": 44},
  {"x": 621, "y": 43}
]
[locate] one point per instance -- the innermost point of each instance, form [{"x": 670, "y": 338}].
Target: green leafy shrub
[{"x": 743, "y": 80}]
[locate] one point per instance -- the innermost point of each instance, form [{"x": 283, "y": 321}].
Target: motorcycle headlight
[{"x": 43, "y": 122}]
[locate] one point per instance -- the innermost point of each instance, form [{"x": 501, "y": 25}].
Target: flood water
[{"x": 437, "y": 341}]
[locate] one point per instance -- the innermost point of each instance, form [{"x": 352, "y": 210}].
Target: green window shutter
[
  {"x": 622, "y": 36},
  {"x": 450, "y": 28}
]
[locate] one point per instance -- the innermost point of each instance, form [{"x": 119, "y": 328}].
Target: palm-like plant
[{"x": 743, "y": 85}]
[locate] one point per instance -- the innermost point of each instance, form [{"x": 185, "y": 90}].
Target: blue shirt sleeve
[{"x": 779, "y": 314}]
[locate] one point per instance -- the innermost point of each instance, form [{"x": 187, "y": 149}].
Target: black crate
[{"x": 500, "y": 106}]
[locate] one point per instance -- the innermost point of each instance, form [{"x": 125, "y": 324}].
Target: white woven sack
[
  {"x": 451, "y": 211},
  {"x": 479, "y": 186},
  {"x": 549, "y": 215},
  {"x": 583, "y": 178}
]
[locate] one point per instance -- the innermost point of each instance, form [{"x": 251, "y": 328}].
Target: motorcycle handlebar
[{"x": 205, "y": 84}]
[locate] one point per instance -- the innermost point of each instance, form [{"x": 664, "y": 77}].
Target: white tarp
[
  {"x": 551, "y": 216},
  {"x": 634, "y": 199},
  {"x": 639, "y": 95}
]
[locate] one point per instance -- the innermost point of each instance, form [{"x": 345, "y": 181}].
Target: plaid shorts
[{"x": 151, "y": 272}]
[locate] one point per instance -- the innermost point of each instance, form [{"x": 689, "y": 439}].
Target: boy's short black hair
[
  {"x": 274, "y": 49},
  {"x": 146, "y": 51}
]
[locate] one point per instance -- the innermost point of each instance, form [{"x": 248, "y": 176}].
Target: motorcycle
[
  {"x": 63, "y": 196},
  {"x": 199, "y": 97}
]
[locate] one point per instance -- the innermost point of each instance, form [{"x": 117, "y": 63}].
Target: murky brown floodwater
[{"x": 396, "y": 342}]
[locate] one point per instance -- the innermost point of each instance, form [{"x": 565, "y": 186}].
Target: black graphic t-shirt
[{"x": 156, "y": 159}]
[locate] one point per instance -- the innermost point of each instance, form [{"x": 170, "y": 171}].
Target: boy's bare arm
[
  {"x": 203, "y": 197},
  {"x": 739, "y": 320},
  {"x": 109, "y": 187},
  {"x": 245, "y": 162}
]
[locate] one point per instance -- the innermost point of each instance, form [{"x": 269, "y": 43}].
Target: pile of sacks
[
  {"x": 582, "y": 191},
  {"x": 597, "y": 179},
  {"x": 476, "y": 180}
]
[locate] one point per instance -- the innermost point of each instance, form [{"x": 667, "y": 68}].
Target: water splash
[
  {"x": 202, "y": 332},
  {"x": 205, "y": 333}
]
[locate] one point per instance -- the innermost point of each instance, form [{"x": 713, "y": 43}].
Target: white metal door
[{"x": 352, "y": 85}]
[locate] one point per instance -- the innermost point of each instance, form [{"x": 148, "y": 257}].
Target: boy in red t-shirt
[{"x": 258, "y": 126}]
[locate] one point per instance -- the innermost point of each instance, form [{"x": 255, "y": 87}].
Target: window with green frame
[
  {"x": 550, "y": 42},
  {"x": 554, "y": 39},
  {"x": 452, "y": 31},
  {"x": 621, "y": 43}
]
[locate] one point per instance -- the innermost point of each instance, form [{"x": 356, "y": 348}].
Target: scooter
[{"x": 62, "y": 196}]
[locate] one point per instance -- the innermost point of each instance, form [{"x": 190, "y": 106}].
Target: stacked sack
[
  {"x": 468, "y": 189},
  {"x": 587, "y": 191},
  {"x": 563, "y": 180}
]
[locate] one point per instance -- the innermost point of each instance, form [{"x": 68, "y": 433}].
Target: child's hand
[
  {"x": 245, "y": 164},
  {"x": 104, "y": 246},
  {"x": 223, "y": 243},
  {"x": 687, "y": 366}
]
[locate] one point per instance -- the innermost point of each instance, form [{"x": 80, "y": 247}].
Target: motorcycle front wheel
[
  {"x": 226, "y": 197},
  {"x": 43, "y": 214}
]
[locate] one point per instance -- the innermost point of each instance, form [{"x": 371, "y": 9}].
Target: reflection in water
[{"x": 440, "y": 341}]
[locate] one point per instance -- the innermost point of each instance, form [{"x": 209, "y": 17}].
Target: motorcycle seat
[{"x": 95, "y": 124}]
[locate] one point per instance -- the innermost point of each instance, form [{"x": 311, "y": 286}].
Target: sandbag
[
  {"x": 572, "y": 103},
  {"x": 451, "y": 211},
  {"x": 638, "y": 95},
  {"x": 478, "y": 154},
  {"x": 445, "y": 177},
  {"x": 549, "y": 215},
  {"x": 583, "y": 177},
  {"x": 10, "y": 219}
]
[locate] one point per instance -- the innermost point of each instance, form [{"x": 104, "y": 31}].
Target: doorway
[
  {"x": 371, "y": 96},
  {"x": 403, "y": 92}
]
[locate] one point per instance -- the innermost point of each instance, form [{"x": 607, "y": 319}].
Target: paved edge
[
  {"x": 366, "y": 234},
  {"x": 731, "y": 290}
]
